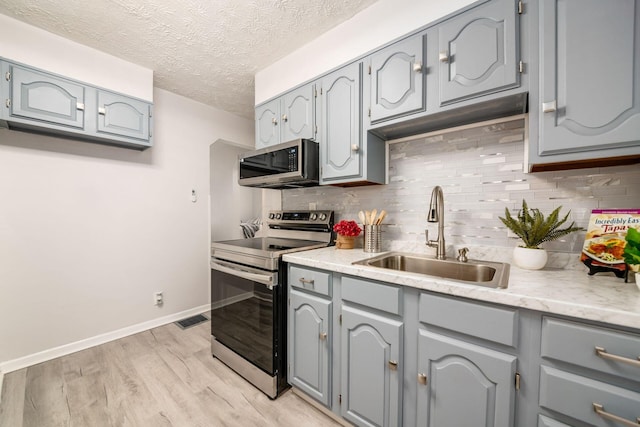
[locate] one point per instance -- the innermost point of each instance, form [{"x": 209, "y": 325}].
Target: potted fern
[{"x": 534, "y": 229}]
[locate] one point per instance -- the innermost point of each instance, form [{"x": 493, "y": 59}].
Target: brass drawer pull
[
  {"x": 323, "y": 336},
  {"x": 393, "y": 365},
  {"x": 602, "y": 352},
  {"x": 422, "y": 379},
  {"x": 306, "y": 281},
  {"x": 599, "y": 409}
]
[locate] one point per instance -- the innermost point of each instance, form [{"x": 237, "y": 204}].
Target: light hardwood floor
[{"x": 162, "y": 377}]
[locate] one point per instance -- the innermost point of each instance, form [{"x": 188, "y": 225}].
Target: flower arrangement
[{"x": 347, "y": 228}]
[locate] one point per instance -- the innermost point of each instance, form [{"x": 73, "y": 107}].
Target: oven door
[{"x": 245, "y": 312}]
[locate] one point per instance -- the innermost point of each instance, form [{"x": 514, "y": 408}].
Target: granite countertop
[{"x": 569, "y": 292}]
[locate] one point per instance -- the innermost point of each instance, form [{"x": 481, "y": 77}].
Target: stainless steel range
[{"x": 248, "y": 295}]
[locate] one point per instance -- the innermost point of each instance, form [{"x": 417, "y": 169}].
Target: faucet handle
[{"x": 462, "y": 254}]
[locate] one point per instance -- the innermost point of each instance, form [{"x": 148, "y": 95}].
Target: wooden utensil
[
  {"x": 374, "y": 213},
  {"x": 383, "y": 213},
  {"x": 361, "y": 216},
  {"x": 367, "y": 215}
]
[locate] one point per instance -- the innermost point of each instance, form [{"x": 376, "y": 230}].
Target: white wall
[
  {"x": 89, "y": 232},
  {"x": 230, "y": 203},
  {"x": 378, "y": 24},
  {"x": 38, "y": 48}
]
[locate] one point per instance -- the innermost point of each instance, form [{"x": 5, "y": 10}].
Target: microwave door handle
[{"x": 265, "y": 279}]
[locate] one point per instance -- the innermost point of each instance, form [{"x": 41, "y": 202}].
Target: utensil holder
[{"x": 372, "y": 238}]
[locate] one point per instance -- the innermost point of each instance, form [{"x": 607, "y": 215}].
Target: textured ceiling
[{"x": 207, "y": 50}]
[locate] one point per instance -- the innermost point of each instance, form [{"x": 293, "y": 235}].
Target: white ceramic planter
[{"x": 529, "y": 259}]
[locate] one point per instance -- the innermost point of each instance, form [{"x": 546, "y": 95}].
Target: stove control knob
[
  {"x": 278, "y": 215},
  {"x": 323, "y": 216},
  {"x": 313, "y": 216},
  {"x": 272, "y": 215}
]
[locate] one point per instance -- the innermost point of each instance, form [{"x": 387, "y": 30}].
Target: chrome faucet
[{"x": 436, "y": 214}]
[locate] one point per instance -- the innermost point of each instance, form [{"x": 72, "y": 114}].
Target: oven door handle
[{"x": 265, "y": 279}]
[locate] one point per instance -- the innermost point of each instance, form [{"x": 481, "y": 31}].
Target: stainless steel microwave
[{"x": 289, "y": 165}]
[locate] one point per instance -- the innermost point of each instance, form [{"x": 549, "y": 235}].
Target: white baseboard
[{"x": 63, "y": 350}]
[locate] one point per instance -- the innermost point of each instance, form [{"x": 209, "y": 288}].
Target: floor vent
[{"x": 191, "y": 321}]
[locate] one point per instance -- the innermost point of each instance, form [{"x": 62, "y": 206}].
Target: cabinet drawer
[
  {"x": 375, "y": 295},
  {"x": 490, "y": 323},
  {"x": 576, "y": 344},
  {"x": 576, "y": 396},
  {"x": 316, "y": 281},
  {"x": 550, "y": 422}
]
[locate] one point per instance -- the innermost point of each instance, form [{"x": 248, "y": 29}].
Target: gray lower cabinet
[
  {"x": 454, "y": 374},
  {"x": 39, "y": 101},
  {"x": 288, "y": 117},
  {"x": 590, "y": 374},
  {"x": 589, "y": 94},
  {"x": 347, "y": 157},
  {"x": 478, "y": 51},
  {"x": 396, "y": 82},
  {"x": 309, "y": 352},
  {"x": 372, "y": 368},
  {"x": 402, "y": 356}
]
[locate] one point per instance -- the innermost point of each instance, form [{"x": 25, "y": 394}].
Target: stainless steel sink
[{"x": 482, "y": 273}]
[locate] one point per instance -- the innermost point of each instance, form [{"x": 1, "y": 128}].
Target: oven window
[{"x": 242, "y": 318}]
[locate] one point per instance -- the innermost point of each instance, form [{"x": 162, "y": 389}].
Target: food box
[{"x": 604, "y": 243}]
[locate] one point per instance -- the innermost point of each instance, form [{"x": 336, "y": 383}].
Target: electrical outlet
[{"x": 158, "y": 298}]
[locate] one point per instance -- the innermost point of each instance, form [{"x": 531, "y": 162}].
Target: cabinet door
[
  {"x": 309, "y": 345},
  {"x": 590, "y": 76},
  {"x": 123, "y": 116},
  {"x": 268, "y": 124},
  {"x": 397, "y": 80},
  {"x": 298, "y": 114},
  {"x": 340, "y": 153},
  {"x": 46, "y": 98},
  {"x": 371, "y": 368},
  {"x": 478, "y": 51},
  {"x": 463, "y": 384}
]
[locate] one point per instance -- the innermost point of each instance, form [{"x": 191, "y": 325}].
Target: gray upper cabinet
[
  {"x": 347, "y": 157},
  {"x": 372, "y": 368},
  {"x": 268, "y": 124},
  {"x": 396, "y": 83},
  {"x": 341, "y": 108},
  {"x": 463, "y": 384},
  {"x": 478, "y": 51},
  {"x": 309, "y": 350},
  {"x": 589, "y": 104},
  {"x": 123, "y": 116},
  {"x": 298, "y": 114},
  {"x": 288, "y": 117},
  {"x": 38, "y": 101},
  {"x": 45, "y": 98}
]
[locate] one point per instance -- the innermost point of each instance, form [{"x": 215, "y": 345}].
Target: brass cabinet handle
[
  {"x": 393, "y": 365},
  {"x": 79, "y": 106},
  {"x": 274, "y": 121},
  {"x": 422, "y": 379},
  {"x": 602, "y": 352},
  {"x": 417, "y": 67},
  {"x": 323, "y": 336},
  {"x": 102, "y": 111},
  {"x": 284, "y": 118},
  {"x": 599, "y": 409},
  {"x": 306, "y": 281},
  {"x": 443, "y": 56}
]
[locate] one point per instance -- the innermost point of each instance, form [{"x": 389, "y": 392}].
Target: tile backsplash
[{"x": 481, "y": 172}]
